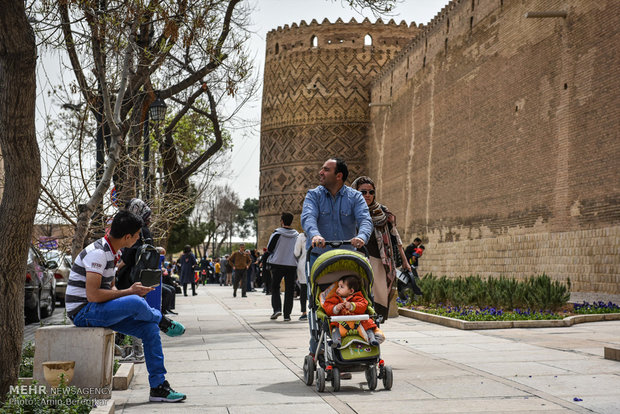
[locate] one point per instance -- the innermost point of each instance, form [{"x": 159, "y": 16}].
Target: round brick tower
[{"x": 316, "y": 93}]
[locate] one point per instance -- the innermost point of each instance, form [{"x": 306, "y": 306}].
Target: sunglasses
[{"x": 364, "y": 192}]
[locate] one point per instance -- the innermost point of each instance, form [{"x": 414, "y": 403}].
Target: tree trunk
[{"x": 22, "y": 178}]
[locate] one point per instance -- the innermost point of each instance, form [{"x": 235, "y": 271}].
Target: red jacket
[{"x": 360, "y": 302}]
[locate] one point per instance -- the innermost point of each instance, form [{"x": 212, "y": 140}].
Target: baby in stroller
[{"x": 347, "y": 299}]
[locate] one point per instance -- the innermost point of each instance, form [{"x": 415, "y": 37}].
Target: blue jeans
[{"x": 130, "y": 315}]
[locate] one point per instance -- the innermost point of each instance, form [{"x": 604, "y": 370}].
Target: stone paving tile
[
  {"x": 604, "y": 404},
  {"x": 275, "y": 393},
  {"x": 257, "y": 377},
  {"x": 588, "y": 366},
  {"x": 356, "y": 390},
  {"x": 246, "y": 353},
  {"x": 446, "y": 349},
  {"x": 181, "y": 355},
  {"x": 570, "y": 386},
  {"x": 181, "y": 382},
  {"x": 176, "y": 408},
  {"x": 196, "y": 366},
  {"x": 248, "y": 343},
  {"x": 309, "y": 408},
  {"x": 521, "y": 368},
  {"x": 467, "y": 387},
  {"x": 467, "y": 406},
  {"x": 498, "y": 356}
]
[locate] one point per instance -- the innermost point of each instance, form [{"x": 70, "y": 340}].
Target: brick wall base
[{"x": 588, "y": 257}]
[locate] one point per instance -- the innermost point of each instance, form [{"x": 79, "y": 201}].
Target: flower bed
[
  {"x": 492, "y": 314},
  {"x": 477, "y": 300}
]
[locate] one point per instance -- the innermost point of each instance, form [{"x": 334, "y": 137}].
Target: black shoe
[
  {"x": 234, "y": 294},
  {"x": 244, "y": 296},
  {"x": 194, "y": 294},
  {"x": 164, "y": 393},
  {"x": 287, "y": 319},
  {"x": 275, "y": 315},
  {"x": 172, "y": 312}
]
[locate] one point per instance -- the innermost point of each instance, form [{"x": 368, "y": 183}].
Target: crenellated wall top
[
  {"x": 351, "y": 24},
  {"x": 339, "y": 35},
  {"x": 425, "y": 32}
]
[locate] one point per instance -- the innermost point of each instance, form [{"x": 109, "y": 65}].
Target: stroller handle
[
  {"x": 335, "y": 244},
  {"x": 349, "y": 318}
]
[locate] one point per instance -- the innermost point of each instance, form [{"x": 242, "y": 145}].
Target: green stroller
[{"x": 355, "y": 354}]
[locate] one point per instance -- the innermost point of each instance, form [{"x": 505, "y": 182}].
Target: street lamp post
[{"x": 157, "y": 113}]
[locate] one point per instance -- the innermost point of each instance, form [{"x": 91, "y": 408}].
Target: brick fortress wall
[
  {"x": 500, "y": 147},
  {"x": 315, "y": 105}
]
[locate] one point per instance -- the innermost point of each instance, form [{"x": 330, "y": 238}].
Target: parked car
[
  {"x": 40, "y": 297},
  {"x": 60, "y": 264}
]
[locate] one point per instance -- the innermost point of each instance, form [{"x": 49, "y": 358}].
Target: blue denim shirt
[{"x": 335, "y": 218}]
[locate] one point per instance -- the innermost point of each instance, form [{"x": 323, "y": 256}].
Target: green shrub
[
  {"x": 27, "y": 364},
  {"x": 28, "y": 350},
  {"x": 535, "y": 292}
]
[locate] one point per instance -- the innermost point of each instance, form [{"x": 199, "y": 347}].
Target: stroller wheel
[
  {"x": 371, "y": 377},
  {"x": 308, "y": 370},
  {"x": 320, "y": 379},
  {"x": 336, "y": 379},
  {"x": 387, "y": 377}
]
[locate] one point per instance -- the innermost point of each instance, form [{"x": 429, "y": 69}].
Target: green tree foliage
[{"x": 248, "y": 218}]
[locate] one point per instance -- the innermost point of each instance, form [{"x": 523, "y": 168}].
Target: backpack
[{"x": 146, "y": 269}]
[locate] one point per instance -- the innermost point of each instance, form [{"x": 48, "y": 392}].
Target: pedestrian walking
[
  {"x": 240, "y": 262},
  {"x": 281, "y": 248},
  {"x": 188, "y": 264}
]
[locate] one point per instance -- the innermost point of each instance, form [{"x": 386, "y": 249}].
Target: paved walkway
[{"x": 233, "y": 359}]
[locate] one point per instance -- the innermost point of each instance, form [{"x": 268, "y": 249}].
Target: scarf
[{"x": 379, "y": 215}]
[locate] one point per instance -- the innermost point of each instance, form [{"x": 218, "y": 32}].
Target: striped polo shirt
[{"x": 97, "y": 257}]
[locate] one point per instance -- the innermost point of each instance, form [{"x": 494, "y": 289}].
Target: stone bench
[{"x": 92, "y": 349}]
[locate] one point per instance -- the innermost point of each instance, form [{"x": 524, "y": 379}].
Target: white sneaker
[{"x": 135, "y": 358}]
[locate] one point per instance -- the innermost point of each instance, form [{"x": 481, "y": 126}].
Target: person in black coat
[{"x": 188, "y": 264}]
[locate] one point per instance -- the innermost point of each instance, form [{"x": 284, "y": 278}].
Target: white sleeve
[
  {"x": 95, "y": 261},
  {"x": 298, "y": 246}
]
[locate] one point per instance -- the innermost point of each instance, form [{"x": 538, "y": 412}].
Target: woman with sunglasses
[{"x": 383, "y": 243}]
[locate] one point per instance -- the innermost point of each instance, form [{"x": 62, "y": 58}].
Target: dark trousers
[
  {"x": 193, "y": 288},
  {"x": 289, "y": 273},
  {"x": 303, "y": 296},
  {"x": 239, "y": 279},
  {"x": 267, "y": 280},
  {"x": 168, "y": 296}
]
